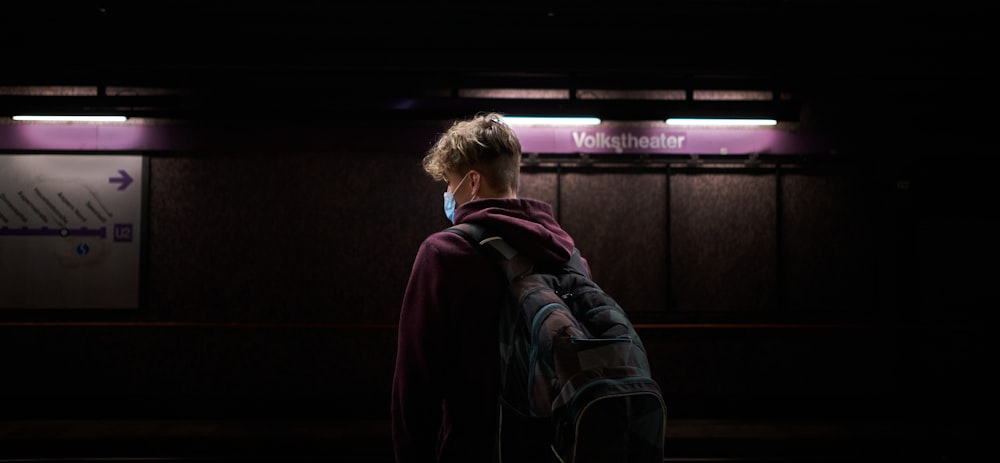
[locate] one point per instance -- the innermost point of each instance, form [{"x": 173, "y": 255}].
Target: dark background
[{"x": 815, "y": 307}]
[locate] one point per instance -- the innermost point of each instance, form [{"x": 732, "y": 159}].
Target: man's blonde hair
[{"x": 483, "y": 142}]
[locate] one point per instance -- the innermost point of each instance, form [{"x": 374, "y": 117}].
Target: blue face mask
[{"x": 449, "y": 201}]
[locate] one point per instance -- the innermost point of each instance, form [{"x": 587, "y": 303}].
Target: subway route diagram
[{"x": 70, "y": 231}]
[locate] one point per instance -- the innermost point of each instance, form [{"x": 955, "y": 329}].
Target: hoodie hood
[{"x": 526, "y": 224}]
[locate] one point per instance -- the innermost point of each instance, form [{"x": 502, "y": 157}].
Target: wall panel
[
  {"x": 828, "y": 242},
  {"x": 292, "y": 237},
  {"x": 723, "y": 241}
]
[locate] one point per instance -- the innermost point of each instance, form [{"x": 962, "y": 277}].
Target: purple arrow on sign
[{"x": 125, "y": 179}]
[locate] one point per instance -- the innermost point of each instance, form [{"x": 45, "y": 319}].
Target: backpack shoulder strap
[
  {"x": 576, "y": 264},
  {"x": 513, "y": 263}
]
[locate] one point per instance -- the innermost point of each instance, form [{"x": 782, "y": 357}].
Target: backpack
[{"x": 575, "y": 383}]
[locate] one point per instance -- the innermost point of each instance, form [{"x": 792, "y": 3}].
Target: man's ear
[{"x": 475, "y": 178}]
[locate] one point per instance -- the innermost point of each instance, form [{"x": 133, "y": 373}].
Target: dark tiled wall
[
  {"x": 277, "y": 275},
  {"x": 286, "y": 238},
  {"x": 835, "y": 234},
  {"x": 723, "y": 242},
  {"x": 619, "y": 220}
]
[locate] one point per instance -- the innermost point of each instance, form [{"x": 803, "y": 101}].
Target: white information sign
[{"x": 70, "y": 231}]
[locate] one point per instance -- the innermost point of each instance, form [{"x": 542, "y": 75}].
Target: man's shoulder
[{"x": 446, "y": 242}]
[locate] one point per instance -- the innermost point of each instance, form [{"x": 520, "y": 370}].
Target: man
[{"x": 444, "y": 391}]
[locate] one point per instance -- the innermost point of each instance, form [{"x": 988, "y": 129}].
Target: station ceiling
[{"x": 612, "y": 58}]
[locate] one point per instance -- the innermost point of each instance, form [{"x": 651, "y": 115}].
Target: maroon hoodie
[{"x": 444, "y": 392}]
